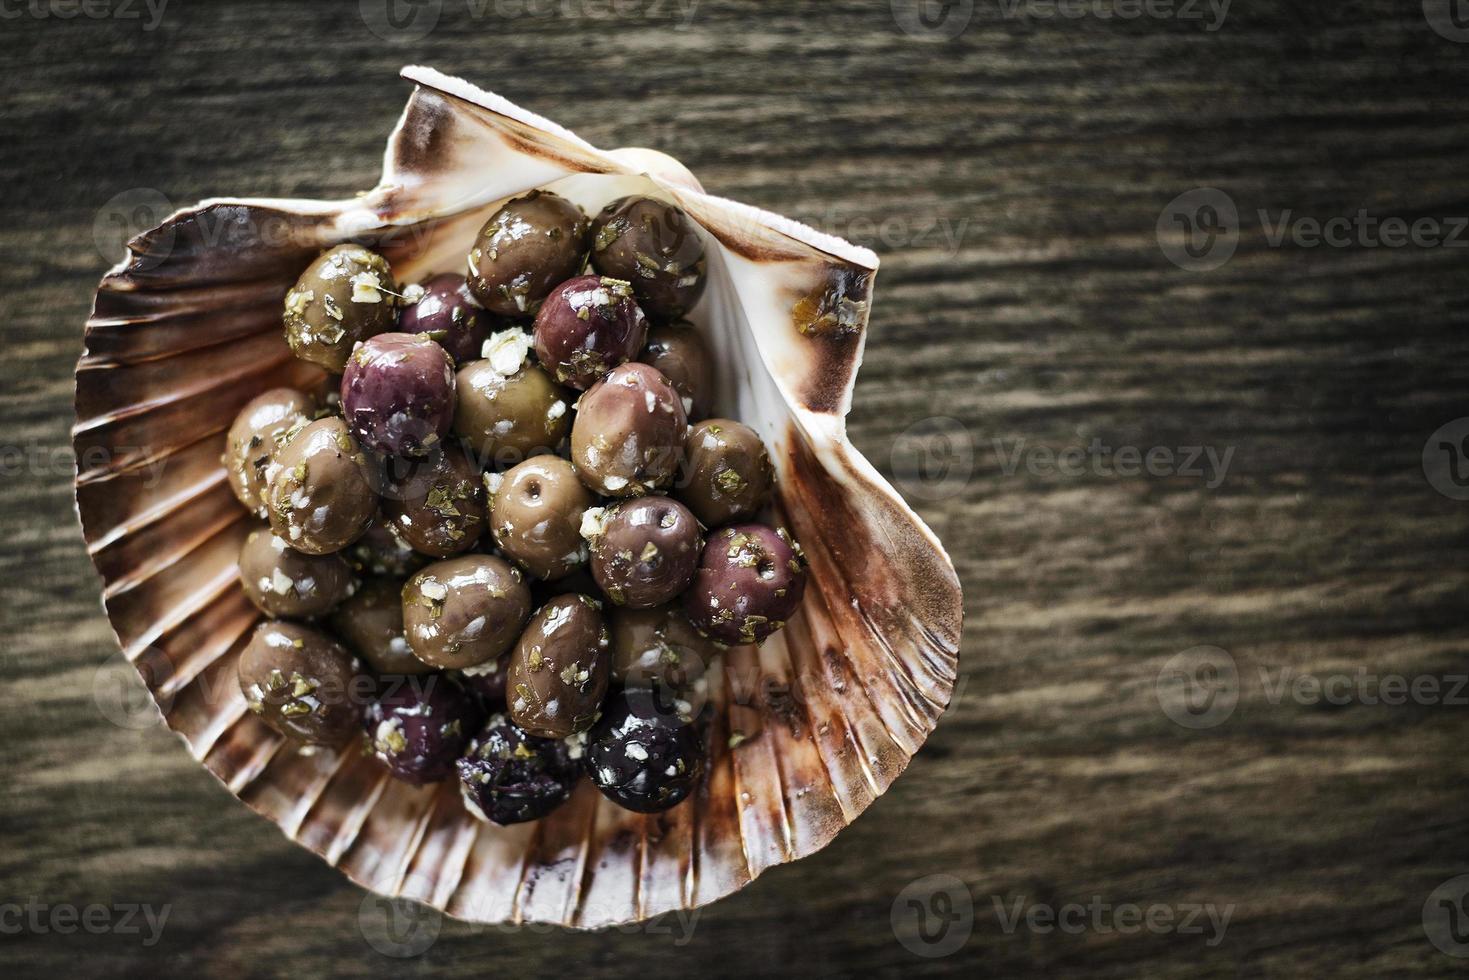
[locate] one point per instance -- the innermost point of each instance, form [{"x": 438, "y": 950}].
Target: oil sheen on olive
[
  {"x": 750, "y": 581},
  {"x": 653, "y": 245},
  {"x": 524, "y": 249},
  {"x": 536, "y": 516},
  {"x": 726, "y": 472},
  {"x": 344, "y": 297},
  {"x": 417, "y": 727},
  {"x": 370, "y": 622},
  {"x": 448, "y": 314},
  {"x": 629, "y": 430},
  {"x": 658, "y": 646},
  {"x": 287, "y": 583},
  {"x": 464, "y": 611},
  {"x": 303, "y": 683},
  {"x": 641, "y": 758},
  {"x": 322, "y": 489},
  {"x": 560, "y": 668},
  {"x": 398, "y": 394},
  {"x": 261, "y": 428},
  {"x": 645, "y": 550},
  {"x": 438, "y": 506},
  {"x": 680, "y": 353},
  {"x": 586, "y": 327},
  {"x": 510, "y": 413}
]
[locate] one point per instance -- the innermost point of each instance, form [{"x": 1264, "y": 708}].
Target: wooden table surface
[{"x": 1041, "y": 360}]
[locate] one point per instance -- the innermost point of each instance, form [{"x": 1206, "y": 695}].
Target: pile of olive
[{"x": 496, "y": 546}]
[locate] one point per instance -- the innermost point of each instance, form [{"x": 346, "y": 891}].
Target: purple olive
[
  {"x": 750, "y": 580},
  {"x": 487, "y": 681},
  {"x": 586, "y": 327},
  {"x": 450, "y": 315},
  {"x": 643, "y": 759},
  {"x": 509, "y": 776},
  {"x": 398, "y": 394},
  {"x": 417, "y": 726},
  {"x": 645, "y": 551}
]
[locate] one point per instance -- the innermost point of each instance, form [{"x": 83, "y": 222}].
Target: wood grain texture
[{"x": 1047, "y": 147}]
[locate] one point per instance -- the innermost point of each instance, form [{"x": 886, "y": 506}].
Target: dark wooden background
[{"x": 1045, "y": 149}]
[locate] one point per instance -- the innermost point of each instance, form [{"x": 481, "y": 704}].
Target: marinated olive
[
  {"x": 559, "y": 670},
  {"x": 464, "y": 611},
  {"x": 284, "y": 582},
  {"x": 526, "y": 247},
  {"x": 727, "y": 473},
  {"x": 536, "y": 516},
  {"x": 508, "y": 776},
  {"x": 302, "y": 683},
  {"x": 658, "y": 647},
  {"x": 586, "y": 327},
  {"x": 438, "y": 507},
  {"x": 679, "y": 353},
  {"x": 644, "y": 551},
  {"x": 450, "y": 315},
  {"x": 371, "y": 624},
  {"x": 343, "y": 298},
  {"x": 654, "y": 246},
  {"x": 398, "y": 394},
  {"x": 263, "y": 426},
  {"x": 382, "y": 551},
  {"x": 322, "y": 490},
  {"x": 417, "y": 727},
  {"x": 750, "y": 581},
  {"x": 628, "y": 434},
  {"x": 643, "y": 759},
  {"x": 508, "y": 409}
]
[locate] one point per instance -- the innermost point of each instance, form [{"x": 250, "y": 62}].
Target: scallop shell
[{"x": 188, "y": 328}]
